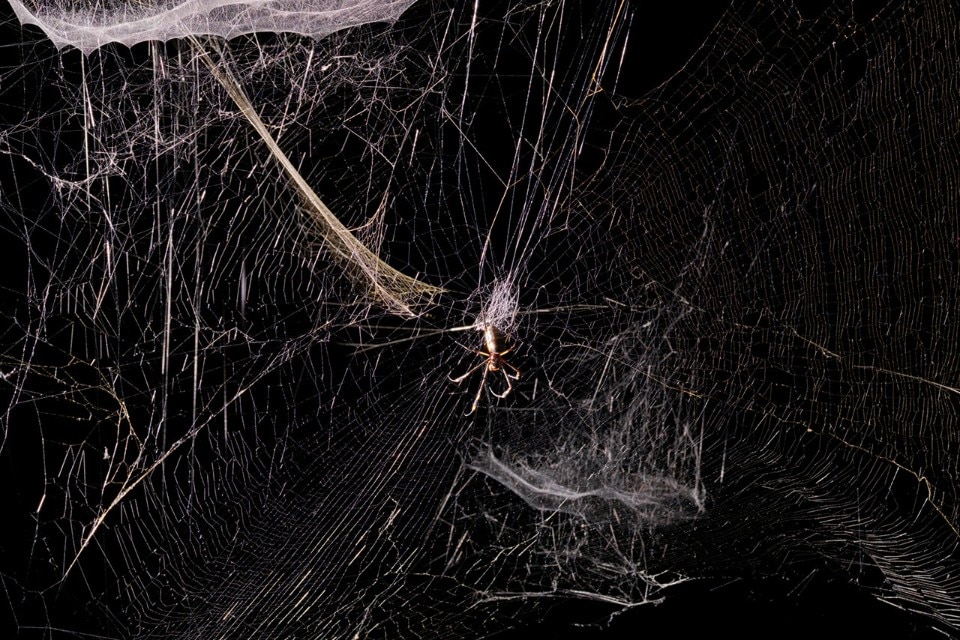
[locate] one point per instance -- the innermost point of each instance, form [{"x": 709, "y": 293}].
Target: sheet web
[{"x": 251, "y": 269}]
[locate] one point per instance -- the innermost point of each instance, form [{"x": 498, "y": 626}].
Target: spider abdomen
[{"x": 494, "y": 340}]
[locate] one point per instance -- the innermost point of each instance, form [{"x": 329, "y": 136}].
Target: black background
[{"x": 818, "y": 605}]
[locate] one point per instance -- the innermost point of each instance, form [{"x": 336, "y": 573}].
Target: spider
[{"x": 495, "y": 361}]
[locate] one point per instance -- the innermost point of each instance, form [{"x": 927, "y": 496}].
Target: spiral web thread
[{"x": 730, "y": 294}]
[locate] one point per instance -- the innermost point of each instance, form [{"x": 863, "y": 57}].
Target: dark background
[{"x": 808, "y": 601}]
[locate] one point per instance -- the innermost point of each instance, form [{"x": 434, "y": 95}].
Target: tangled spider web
[{"x": 247, "y": 271}]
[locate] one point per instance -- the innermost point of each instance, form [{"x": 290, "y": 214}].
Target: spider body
[
  {"x": 495, "y": 361},
  {"x": 495, "y": 347}
]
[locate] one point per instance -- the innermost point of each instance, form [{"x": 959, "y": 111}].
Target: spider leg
[
  {"x": 516, "y": 372},
  {"x": 509, "y": 379},
  {"x": 476, "y": 399},
  {"x": 467, "y": 374}
]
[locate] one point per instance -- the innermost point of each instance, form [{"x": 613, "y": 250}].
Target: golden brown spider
[{"x": 495, "y": 361}]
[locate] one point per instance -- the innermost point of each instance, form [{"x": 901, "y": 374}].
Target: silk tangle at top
[{"x": 90, "y": 25}]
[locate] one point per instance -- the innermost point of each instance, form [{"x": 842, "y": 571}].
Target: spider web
[{"x": 729, "y": 287}]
